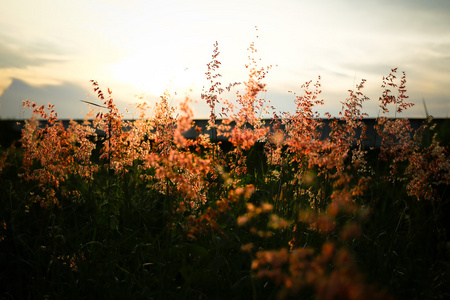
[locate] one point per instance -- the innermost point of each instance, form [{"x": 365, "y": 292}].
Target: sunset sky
[{"x": 49, "y": 50}]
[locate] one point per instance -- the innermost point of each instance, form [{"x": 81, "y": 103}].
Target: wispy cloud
[{"x": 16, "y": 54}]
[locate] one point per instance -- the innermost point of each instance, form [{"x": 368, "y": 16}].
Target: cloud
[
  {"x": 17, "y": 54},
  {"x": 17, "y": 59},
  {"x": 66, "y": 99}
]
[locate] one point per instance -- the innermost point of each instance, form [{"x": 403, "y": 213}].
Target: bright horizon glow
[
  {"x": 142, "y": 47},
  {"x": 132, "y": 71}
]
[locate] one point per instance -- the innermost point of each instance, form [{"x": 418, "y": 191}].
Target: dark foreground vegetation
[{"x": 145, "y": 213}]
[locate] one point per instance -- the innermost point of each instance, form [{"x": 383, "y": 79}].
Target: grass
[{"x": 143, "y": 213}]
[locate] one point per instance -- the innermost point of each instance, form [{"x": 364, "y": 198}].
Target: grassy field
[{"x": 143, "y": 213}]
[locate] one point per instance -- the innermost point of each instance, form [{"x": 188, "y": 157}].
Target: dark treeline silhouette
[{"x": 10, "y": 130}]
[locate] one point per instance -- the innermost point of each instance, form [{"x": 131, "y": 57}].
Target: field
[{"x": 114, "y": 209}]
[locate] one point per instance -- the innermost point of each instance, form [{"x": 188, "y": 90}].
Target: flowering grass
[{"x": 115, "y": 209}]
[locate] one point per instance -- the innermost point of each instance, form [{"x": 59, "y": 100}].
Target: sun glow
[{"x": 153, "y": 77}]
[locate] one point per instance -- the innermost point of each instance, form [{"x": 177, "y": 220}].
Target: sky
[{"x": 50, "y": 50}]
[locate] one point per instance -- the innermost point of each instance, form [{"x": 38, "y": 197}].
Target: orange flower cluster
[
  {"x": 423, "y": 165},
  {"x": 332, "y": 273},
  {"x": 206, "y": 222},
  {"x": 53, "y": 152}
]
